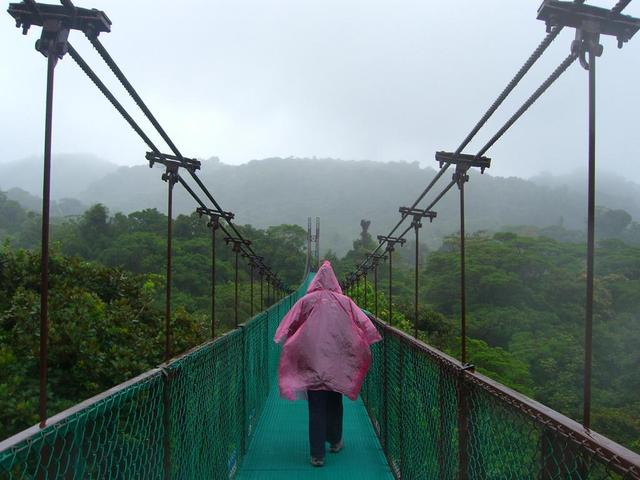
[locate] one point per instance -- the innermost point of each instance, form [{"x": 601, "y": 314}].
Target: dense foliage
[
  {"x": 525, "y": 296},
  {"x": 525, "y": 318},
  {"x": 105, "y": 327},
  {"x": 106, "y": 299}
]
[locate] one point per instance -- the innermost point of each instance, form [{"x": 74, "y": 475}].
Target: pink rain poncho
[{"x": 326, "y": 341}]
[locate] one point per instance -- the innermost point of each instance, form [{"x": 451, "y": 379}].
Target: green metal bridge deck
[{"x": 280, "y": 446}]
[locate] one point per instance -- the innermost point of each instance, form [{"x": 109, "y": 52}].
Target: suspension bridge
[{"x": 214, "y": 411}]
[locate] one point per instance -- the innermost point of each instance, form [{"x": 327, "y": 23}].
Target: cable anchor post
[
  {"x": 590, "y": 22},
  {"x": 237, "y": 244},
  {"x": 416, "y": 223},
  {"x": 463, "y": 163},
  {"x": 365, "y": 270},
  {"x": 214, "y": 225},
  {"x": 254, "y": 263},
  {"x": 262, "y": 271},
  {"x": 375, "y": 258},
  {"x": 390, "y": 248},
  {"x": 587, "y": 43},
  {"x": 56, "y": 22},
  {"x": 170, "y": 176}
]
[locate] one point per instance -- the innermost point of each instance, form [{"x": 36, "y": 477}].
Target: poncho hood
[{"x": 325, "y": 279}]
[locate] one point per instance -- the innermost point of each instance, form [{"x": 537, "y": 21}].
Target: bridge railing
[
  {"x": 437, "y": 420},
  {"x": 192, "y": 417}
]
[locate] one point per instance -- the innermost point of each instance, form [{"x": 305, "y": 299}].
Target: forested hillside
[
  {"x": 525, "y": 294},
  {"x": 341, "y": 193},
  {"x": 106, "y": 298},
  {"x": 525, "y": 318}
]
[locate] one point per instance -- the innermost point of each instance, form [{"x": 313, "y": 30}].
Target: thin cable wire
[
  {"x": 537, "y": 53},
  {"x": 132, "y": 92},
  {"x": 199, "y": 201},
  {"x": 621, "y": 5},
  {"x": 105, "y": 91},
  {"x": 530, "y": 101},
  {"x": 118, "y": 106},
  {"x": 442, "y": 194},
  {"x": 102, "y": 51}
]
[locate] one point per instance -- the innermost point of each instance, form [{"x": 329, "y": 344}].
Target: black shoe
[
  {"x": 317, "y": 462},
  {"x": 337, "y": 447}
]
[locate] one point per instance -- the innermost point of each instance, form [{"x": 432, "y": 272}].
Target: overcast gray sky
[{"x": 354, "y": 79}]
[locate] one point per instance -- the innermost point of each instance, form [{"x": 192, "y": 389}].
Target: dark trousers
[{"x": 325, "y": 420}]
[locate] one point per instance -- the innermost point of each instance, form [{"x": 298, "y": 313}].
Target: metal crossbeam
[
  {"x": 418, "y": 214},
  {"x": 86, "y": 20},
  {"x": 588, "y": 18},
  {"x": 463, "y": 161},
  {"x": 172, "y": 161},
  {"x": 237, "y": 242},
  {"x": 228, "y": 216},
  {"x": 391, "y": 240}
]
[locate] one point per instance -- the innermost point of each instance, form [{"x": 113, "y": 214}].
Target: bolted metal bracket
[
  {"x": 56, "y": 22},
  {"x": 376, "y": 259},
  {"x": 171, "y": 175},
  {"x": 586, "y": 42},
  {"x": 418, "y": 215},
  {"x": 237, "y": 243},
  {"x": 589, "y": 18},
  {"x": 460, "y": 177},
  {"x": 53, "y": 39},
  {"x": 391, "y": 242},
  {"x": 463, "y": 161},
  {"x": 254, "y": 260},
  {"x": 172, "y": 161},
  {"x": 214, "y": 216}
]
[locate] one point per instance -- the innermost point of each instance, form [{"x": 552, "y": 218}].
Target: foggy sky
[{"x": 386, "y": 81}]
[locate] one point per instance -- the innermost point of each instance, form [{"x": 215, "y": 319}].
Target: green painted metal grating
[{"x": 280, "y": 448}]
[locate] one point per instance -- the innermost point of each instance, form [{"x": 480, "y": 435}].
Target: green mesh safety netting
[
  {"x": 437, "y": 422},
  {"x": 192, "y": 418},
  {"x": 196, "y": 417},
  {"x": 119, "y": 435}
]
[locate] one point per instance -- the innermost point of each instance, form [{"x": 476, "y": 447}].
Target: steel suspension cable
[
  {"x": 132, "y": 92},
  {"x": 617, "y": 8},
  {"x": 102, "y": 51},
  {"x": 441, "y": 194},
  {"x": 621, "y": 5},
  {"x": 566, "y": 63},
  {"x": 530, "y": 101},
  {"x": 537, "y": 53},
  {"x": 138, "y": 100},
  {"x": 533, "y": 58},
  {"x": 107, "y": 93},
  {"x": 199, "y": 201}
]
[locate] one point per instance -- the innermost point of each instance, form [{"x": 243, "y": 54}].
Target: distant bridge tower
[{"x": 313, "y": 260}]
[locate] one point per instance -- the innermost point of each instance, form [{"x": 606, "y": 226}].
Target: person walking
[{"x": 325, "y": 354}]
